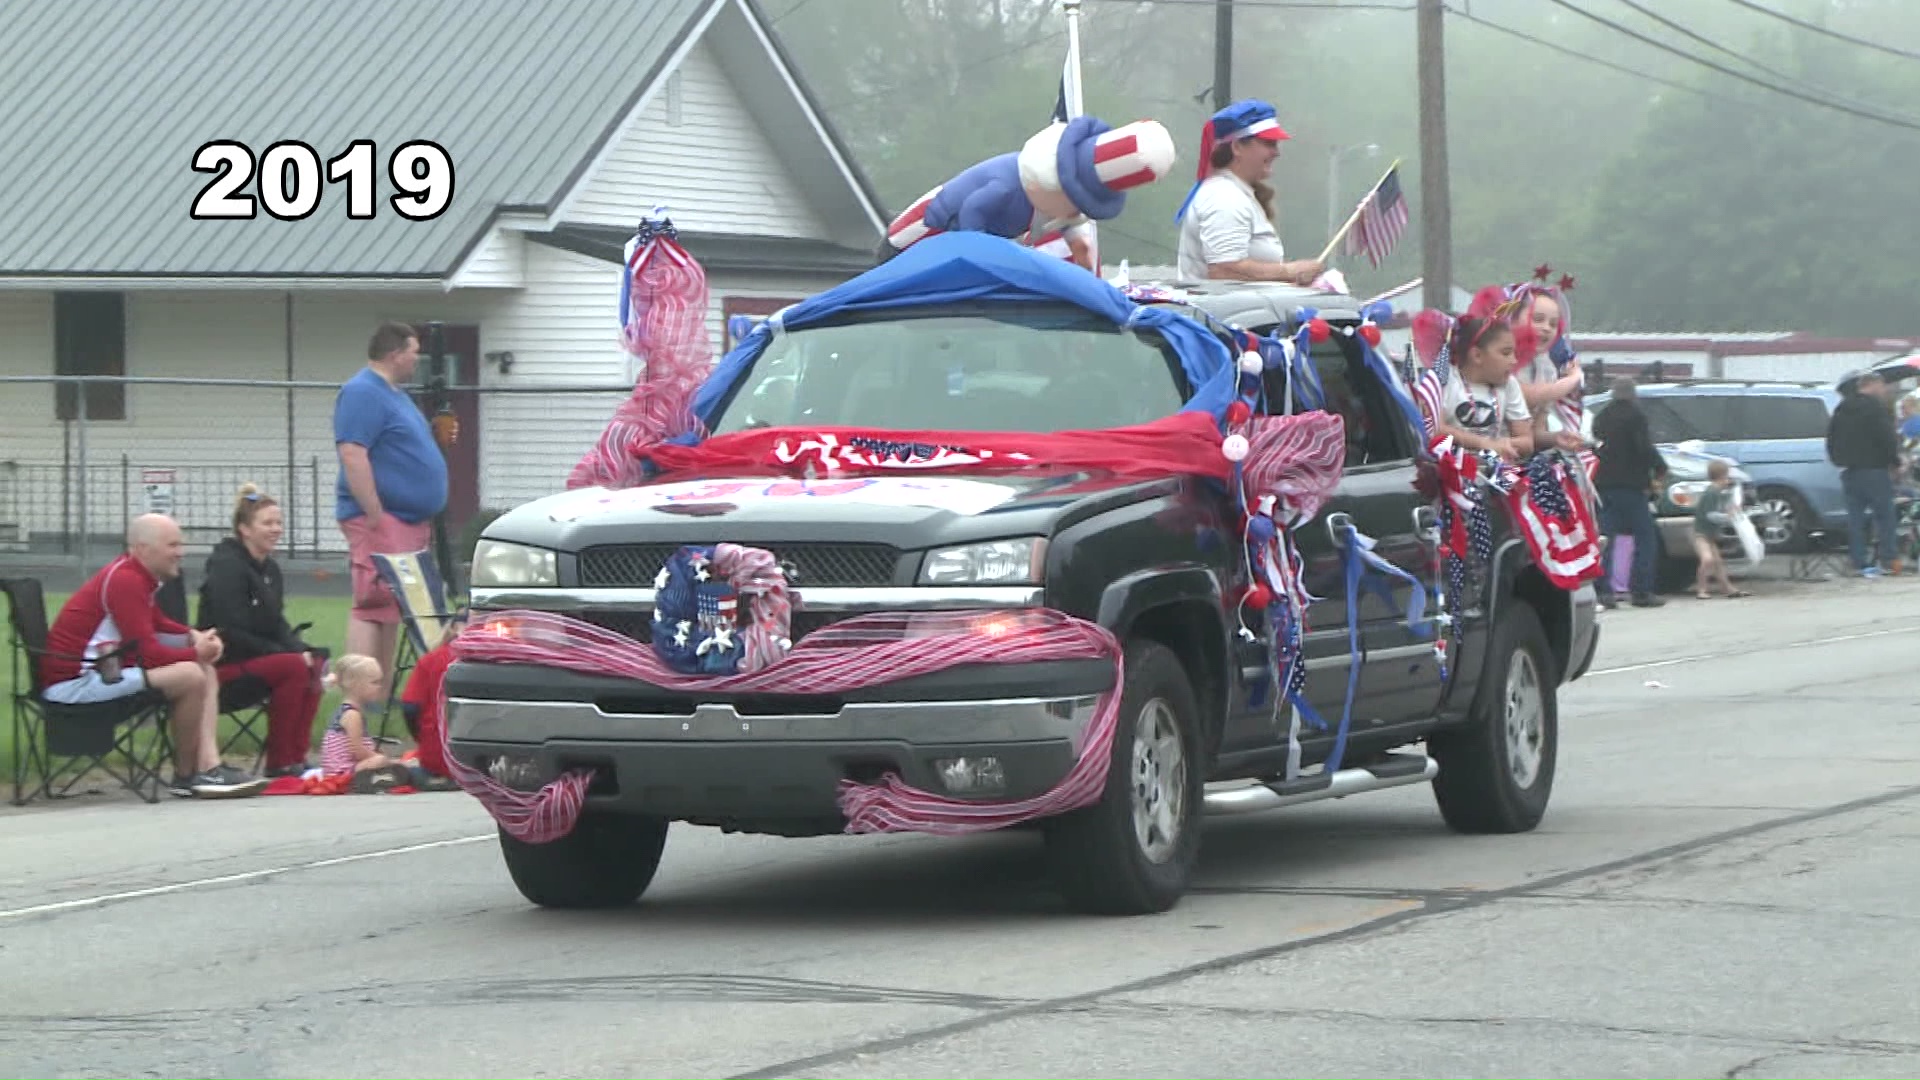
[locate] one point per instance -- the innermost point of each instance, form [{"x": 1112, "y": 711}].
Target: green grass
[{"x": 329, "y": 619}]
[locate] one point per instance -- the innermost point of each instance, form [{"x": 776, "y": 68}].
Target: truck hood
[{"x": 907, "y": 512}]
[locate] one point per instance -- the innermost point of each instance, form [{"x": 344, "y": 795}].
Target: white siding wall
[
  {"x": 706, "y": 160},
  {"x": 499, "y": 262},
  {"x": 1799, "y": 367},
  {"x": 564, "y": 331},
  {"x": 215, "y": 438}
]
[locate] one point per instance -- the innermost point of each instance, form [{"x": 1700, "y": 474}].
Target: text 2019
[{"x": 289, "y": 181}]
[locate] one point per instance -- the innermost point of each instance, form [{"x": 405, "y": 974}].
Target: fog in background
[{"x": 1681, "y": 197}]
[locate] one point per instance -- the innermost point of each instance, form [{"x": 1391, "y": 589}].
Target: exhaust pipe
[{"x": 1397, "y": 770}]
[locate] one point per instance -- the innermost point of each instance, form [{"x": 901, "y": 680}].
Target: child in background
[
  {"x": 347, "y": 749},
  {"x": 1713, "y": 511}
]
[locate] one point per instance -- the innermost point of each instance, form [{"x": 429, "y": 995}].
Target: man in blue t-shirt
[{"x": 393, "y": 480}]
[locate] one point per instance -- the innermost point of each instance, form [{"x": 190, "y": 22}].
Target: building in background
[{"x": 565, "y": 123}]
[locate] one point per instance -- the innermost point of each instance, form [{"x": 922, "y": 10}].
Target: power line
[
  {"x": 1818, "y": 29},
  {"x": 1588, "y": 57},
  {"x": 960, "y": 69},
  {"x": 1787, "y": 77},
  {"x": 1836, "y": 106}
]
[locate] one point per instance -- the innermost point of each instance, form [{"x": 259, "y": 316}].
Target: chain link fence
[{"x": 70, "y": 479}]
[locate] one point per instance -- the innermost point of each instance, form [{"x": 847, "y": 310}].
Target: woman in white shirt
[
  {"x": 1482, "y": 406},
  {"x": 1226, "y": 224}
]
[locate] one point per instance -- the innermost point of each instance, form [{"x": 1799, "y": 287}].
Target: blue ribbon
[{"x": 1360, "y": 559}]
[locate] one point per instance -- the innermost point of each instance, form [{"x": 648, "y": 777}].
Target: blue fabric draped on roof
[{"x": 973, "y": 267}]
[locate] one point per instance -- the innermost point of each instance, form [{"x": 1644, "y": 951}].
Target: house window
[
  {"x": 90, "y": 338},
  {"x": 742, "y": 312}
]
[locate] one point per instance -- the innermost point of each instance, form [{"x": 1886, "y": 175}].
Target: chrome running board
[{"x": 1393, "y": 770}]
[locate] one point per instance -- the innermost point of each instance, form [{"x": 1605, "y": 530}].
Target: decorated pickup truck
[{"x": 980, "y": 541}]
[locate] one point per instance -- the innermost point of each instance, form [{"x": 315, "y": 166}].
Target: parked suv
[
  {"x": 1777, "y": 432},
  {"x": 1138, "y": 557}
]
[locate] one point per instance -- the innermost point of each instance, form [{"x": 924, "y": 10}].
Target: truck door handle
[
  {"x": 1426, "y": 523},
  {"x": 1337, "y": 526}
]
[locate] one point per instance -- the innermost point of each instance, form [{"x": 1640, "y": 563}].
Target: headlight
[
  {"x": 998, "y": 562},
  {"x": 1684, "y": 495},
  {"x": 498, "y": 564}
]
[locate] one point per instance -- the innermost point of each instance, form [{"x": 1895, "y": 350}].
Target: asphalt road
[{"x": 1724, "y": 886}]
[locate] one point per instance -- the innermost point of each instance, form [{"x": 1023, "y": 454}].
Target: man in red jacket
[{"x": 112, "y": 641}]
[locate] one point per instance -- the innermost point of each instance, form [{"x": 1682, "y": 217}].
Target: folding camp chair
[
  {"x": 55, "y": 745},
  {"x": 425, "y": 613}
]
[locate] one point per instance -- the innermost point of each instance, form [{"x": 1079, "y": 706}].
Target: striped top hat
[{"x": 1095, "y": 165}]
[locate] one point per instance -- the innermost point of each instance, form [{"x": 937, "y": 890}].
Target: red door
[{"x": 463, "y": 457}]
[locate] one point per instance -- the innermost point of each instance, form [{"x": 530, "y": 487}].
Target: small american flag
[
  {"x": 1430, "y": 388},
  {"x": 1383, "y": 216}
]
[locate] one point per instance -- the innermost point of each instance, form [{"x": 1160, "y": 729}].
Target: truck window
[
  {"x": 1039, "y": 368},
  {"x": 1376, "y": 430},
  {"x": 1771, "y": 416}
]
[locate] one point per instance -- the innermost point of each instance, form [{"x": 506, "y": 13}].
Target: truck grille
[
  {"x": 638, "y": 625},
  {"x": 637, "y": 565}
]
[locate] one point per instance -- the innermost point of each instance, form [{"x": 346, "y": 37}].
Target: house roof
[
  {"x": 719, "y": 251},
  {"x": 108, "y": 102}
]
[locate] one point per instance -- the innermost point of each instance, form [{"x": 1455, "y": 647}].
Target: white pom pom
[
  {"x": 1234, "y": 448},
  {"x": 1251, "y": 364}
]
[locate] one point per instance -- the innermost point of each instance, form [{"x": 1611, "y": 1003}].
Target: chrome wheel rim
[
  {"x": 1781, "y": 529},
  {"x": 1158, "y": 781},
  {"x": 1526, "y": 720}
]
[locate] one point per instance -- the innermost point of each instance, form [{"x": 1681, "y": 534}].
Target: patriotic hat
[
  {"x": 1247, "y": 119},
  {"x": 1095, "y": 165},
  {"x": 1517, "y": 299}
]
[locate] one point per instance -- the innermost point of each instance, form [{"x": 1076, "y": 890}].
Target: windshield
[{"x": 1038, "y": 368}]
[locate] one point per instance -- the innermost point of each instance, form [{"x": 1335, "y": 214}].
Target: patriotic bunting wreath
[{"x": 697, "y": 628}]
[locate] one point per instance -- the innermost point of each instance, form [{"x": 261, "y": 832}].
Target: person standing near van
[
  {"x": 1862, "y": 441},
  {"x": 1630, "y": 465},
  {"x": 393, "y": 480}
]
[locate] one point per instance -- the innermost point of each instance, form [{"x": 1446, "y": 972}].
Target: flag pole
[
  {"x": 1076, "y": 102},
  {"x": 1358, "y": 207}
]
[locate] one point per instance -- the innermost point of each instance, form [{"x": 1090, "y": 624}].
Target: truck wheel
[
  {"x": 1133, "y": 852},
  {"x": 606, "y": 861},
  {"x": 1496, "y": 772}
]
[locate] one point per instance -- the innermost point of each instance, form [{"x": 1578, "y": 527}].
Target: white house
[{"x": 542, "y": 133}]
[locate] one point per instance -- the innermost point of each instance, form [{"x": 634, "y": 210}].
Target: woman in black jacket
[{"x": 241, "y": 597}]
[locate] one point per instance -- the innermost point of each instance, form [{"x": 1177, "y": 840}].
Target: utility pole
[
  {"x": 1436, "y": 209},
  {"x": 1222, "y": 54}
]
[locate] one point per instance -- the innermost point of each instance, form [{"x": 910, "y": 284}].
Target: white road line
[
  {"x": 228, "y": 879},
  {"x": 1649, "y": 665}
]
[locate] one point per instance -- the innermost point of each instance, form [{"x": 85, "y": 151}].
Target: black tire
[
  {"x": 1480, "y": 788},
  {"x": 1797, "y": 519},
  {"x": 608, "y": 860},
  {"x": 1097, "y": 856}
]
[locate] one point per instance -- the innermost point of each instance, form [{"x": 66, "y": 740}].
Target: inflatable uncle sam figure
[{"x": 1064, "y": 176}]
